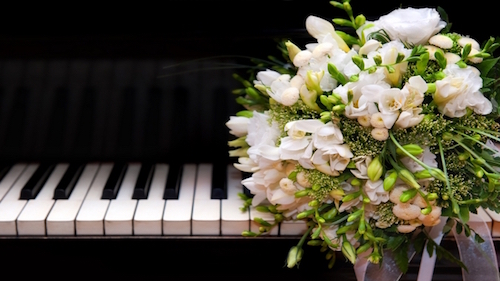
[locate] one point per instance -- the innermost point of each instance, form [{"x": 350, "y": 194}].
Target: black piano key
[
  {"x": 4, "y": 168},
  {"x": 246, "y": 191},
  {"x": 36, "y": 182},
  {"x": 219, "y": 182},
  {"x": 114, "y": 181},
  {"x": 141, "y": 188},
  {"x": 173, "y": 182},
  {"x": 68, "y": 181}
]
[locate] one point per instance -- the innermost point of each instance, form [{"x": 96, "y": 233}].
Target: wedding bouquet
[{"x": 372, "y": 136}]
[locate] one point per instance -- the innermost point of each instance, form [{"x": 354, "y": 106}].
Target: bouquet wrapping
[{"x": 372, "y": 135}]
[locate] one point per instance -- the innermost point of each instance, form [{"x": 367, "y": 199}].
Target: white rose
[
  {"x": 459, "y": 90},
  {"x": 410, "y": 25}
]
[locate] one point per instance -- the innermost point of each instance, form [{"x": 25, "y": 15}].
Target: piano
[{"x": 113, "y": 147}]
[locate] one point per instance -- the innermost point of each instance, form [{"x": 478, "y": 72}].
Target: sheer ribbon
[{"x": 479, "y": 258}]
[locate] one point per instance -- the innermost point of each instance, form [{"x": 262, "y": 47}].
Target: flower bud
[
  {"x": 360, "y": 20},
  {"x": 301, "y": 193},
  {"x": 375, "y": 169},
  {"x": 294, "y": 256},
  {"x": 363, "y": 248},
  {"x": 305, "y": 214},
  {"x": 337, "y": 193},
  {"x": 447, "y": 136},
  {"x": 390, "y": 180},
  {"x": 330, "y": 214},
  {"x": 292, "y": 49},
  {"x": 424, "y": 174},
  {"x": 247, "y": 233},
  {"x": 438, "y": 174},
  {"x": 412, "y": 149},
  {"x": 408, "y": 178},
  {"x": 349, "y": 252},
  {"x": 407, "y": 195}
]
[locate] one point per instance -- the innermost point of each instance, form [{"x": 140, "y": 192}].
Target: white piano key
[
  {"x": 90, "y": 218},
  {"x": 495, "y": 222},
  {"x": 293, "y": 227},
  {"x": 149, "y": 212},
  {"x": 11, "y": 206},
  {"x": 62, "y": 217},
  {"x": 178, "y": 212},
  {"x": 206, "y": 211},
  {"x": 233, "y": 220},
  {"x": 10, "y": 178},
  {"x": 31, "y": 220},
  {"x": 120, "y": 214}
]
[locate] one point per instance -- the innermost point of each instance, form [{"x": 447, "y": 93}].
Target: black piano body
[{"x": 114, "y": 86}]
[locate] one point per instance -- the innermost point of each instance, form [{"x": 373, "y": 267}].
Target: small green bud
[
  {"x": 278, "y": 217},
  {"x": 337, "y": 4},
  {"x": 294, "y": 256},
  {"x": 342, "y": 22},
  {"x": 355, "y": 215},
  {"x": 424, "y": 174},
  {"x": 412, "y": 149},
  {"x": 339, "y": 108},
  {"x": 316, "y": 232},
  {"x": 245, "y": 113},
  {"x": 377, "y": 59},
  {"x": 375, "y": 169},
  {"x": 432, "y": 196},
  {"x": 427, "y": 210},
  {"x": 330, "y": 214},
  {"x": 348, "y": 251},
  {"x": 314, "y": 242},
  {"x": 358, "y": 61},
  {"x": 407, "y": 195},
  {"x": 325, "y": 116},
  {"x": 390, "y": 180},
  {"x": 292, "y": 49},
  {"x": 355, "y": 182},
  {"x": 359, "y": 20},
  {"x": 305, "y": 214},
  {"x": 262, "y": 209},
  {"x": 437, "y": 174},
  {"x": 408, "y": 178},
  {"x": 326, "y": 102},
  {"x": 262, "y": 222},
  {"x": 313, "y": 203},
  {"x": 464, "y": 156},
  {"x": 363, "y": 248},
  {"x": 479, "y": 161},
  {"x": 301, "y": 193},
  {"x": 248, "y": 234},
  {"x": 293, "y": 176}
]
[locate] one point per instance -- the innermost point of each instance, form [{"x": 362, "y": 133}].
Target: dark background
[{"x": 188, "y": 107}]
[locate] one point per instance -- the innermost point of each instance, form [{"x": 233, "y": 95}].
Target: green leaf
[
  {"x": 486, "y": 65},
  {"x": 401, "y": 257}
]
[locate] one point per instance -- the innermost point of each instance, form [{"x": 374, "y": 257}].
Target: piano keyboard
[
  {"x": 126, "y": 199},
  {"x": 133, "y": 199}
]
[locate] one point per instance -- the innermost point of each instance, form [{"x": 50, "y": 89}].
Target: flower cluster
[{"x": 373, "y": 135}]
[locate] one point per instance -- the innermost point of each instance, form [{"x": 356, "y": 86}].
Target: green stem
[
  {"x": 477, "y": 141},
  {"x": 482, "y": 132},
  {"x": 407, "y": 153},
  {"x": 474, "y": 154}
]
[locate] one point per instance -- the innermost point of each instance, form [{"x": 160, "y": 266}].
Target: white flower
[
  {"x": 409, "y": 118},
  {"x": 327, "y": 135},
  {"x": 459, "y": 90},
  {"x": 319, "y": 28},
  {"x": 246, "y": 164},
  {"x": 375, "y": 192},
  {"x": 238, "y": 126},
  {"x": 302, "y": 58},
  {"x": 333, "y": 160},
  {"x": 266, "y": 77},
  {"x": 414, "y": 92},
  {"x": 361, "y": 163},
  {"x": 411, "y": 25},
  {"x": 370, "y": 46}
]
